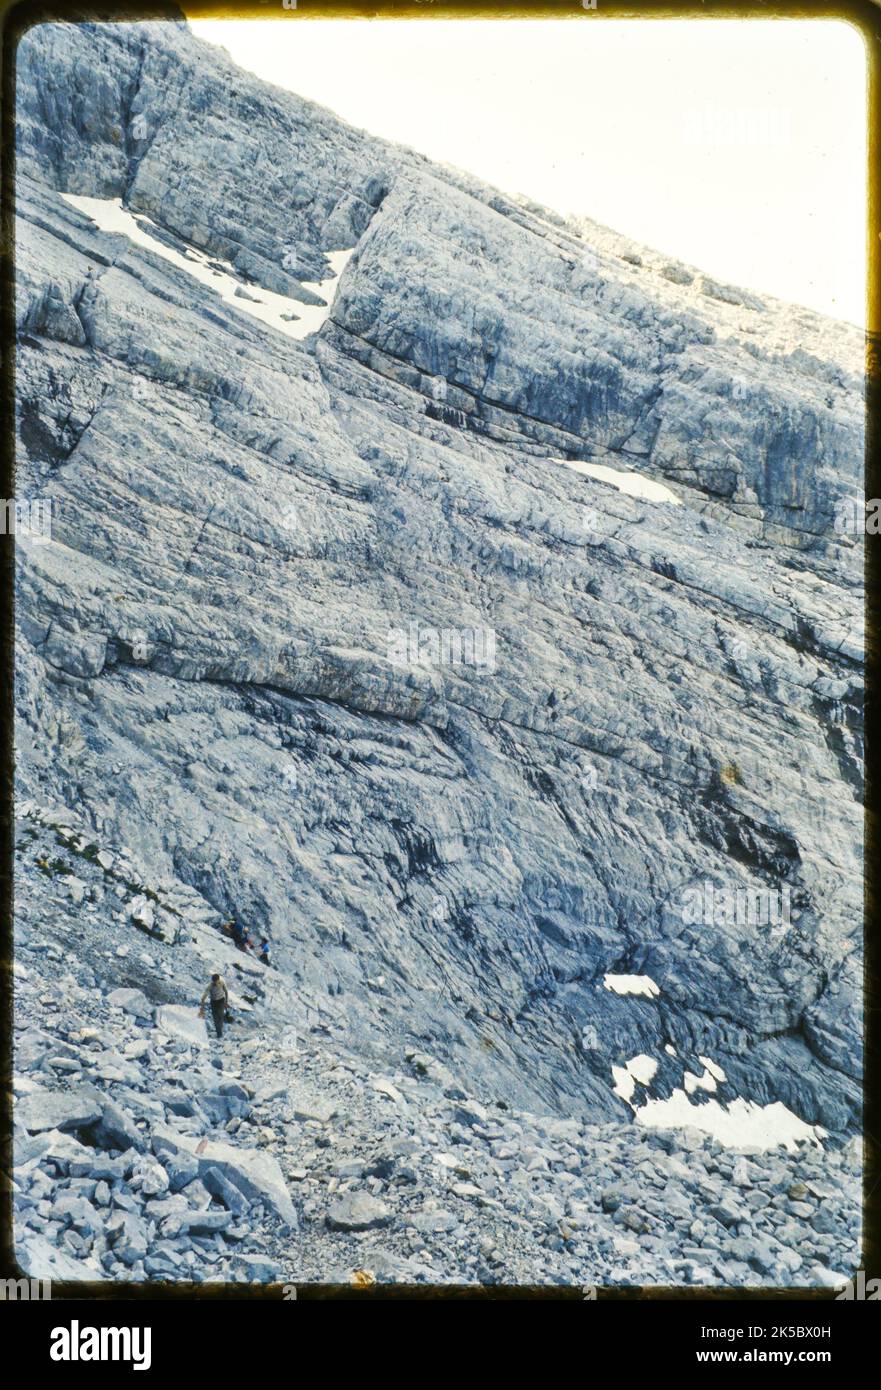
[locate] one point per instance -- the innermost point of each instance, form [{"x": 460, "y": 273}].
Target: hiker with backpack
[
  {"x": 263, "y": 953},
  {"x": 218, "y": 994}
]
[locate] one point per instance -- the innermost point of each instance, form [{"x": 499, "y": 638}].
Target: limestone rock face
[
  {"x": 346, "y": 637},
  {"x": 543, "y": 335}
]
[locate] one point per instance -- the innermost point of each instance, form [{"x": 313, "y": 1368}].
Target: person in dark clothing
[
  {"x": 218, "y": 994},
  {"x": 263, "y": 953},
  {"x": 242, "y": 937}
]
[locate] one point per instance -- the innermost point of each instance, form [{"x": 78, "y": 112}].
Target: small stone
[
  {"x": 725, "y": 1212},
  {"x": 257, "y": 1269},
  {"x": 195, "y": 1223},
  {"x": 357, "y": 1211},
  {"x": 823, "y": 1223},
  {"x": 433, "y": 1222},
  {"x": 319, "y": 1110},
  {"x": 226, "y": 1192},
  {"x": 127, "y": 1235},
  {"x": 133, "y": 1001}
]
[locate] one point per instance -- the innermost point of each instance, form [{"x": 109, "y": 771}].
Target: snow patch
[
  {"x": 639, "y": 1069},
  {"x": 693, "y": 1083},
  {"x": 110, "y": 216},
  {"x": 631, "y": 984},
  {"x": 633, "y": 484},
  {"x": 742, "y": 1124}
]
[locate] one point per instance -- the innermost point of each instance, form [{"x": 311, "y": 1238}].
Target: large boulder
[
  {"x": 116, "y": 1129},
  {"x": 133, "y": 1001},
  {"x": 220, "y": 1186},
  {"x": 181, "y": 1021},
  {"x": 256, "y": 1175},
  {"x": 64, "y": 1110}
]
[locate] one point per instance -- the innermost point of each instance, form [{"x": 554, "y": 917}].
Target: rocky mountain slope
[{"x": 350, "y": 636}]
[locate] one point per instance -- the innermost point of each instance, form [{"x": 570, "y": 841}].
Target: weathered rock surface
[
  {"x": 233, "y": 698},
  {"x": 182, "y": 1022},
  {"x": 404, "y": 1183},
  {"x": 357, "y": 1211},
  {"x": 56, "y": 1110}
]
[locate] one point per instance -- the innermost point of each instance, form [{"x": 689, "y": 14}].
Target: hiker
[
  {"x": 263, "y": 953},
  {"x": 241, "y": 936},
  {"x": 218, "y": 993}
]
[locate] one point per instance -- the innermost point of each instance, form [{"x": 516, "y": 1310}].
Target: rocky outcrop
[
  {"x": 342, "y": 637},
  {"x": 564, "y": 342},
  {"x": 540, "y": 329},
  {"x": 281, "y": 1155}
]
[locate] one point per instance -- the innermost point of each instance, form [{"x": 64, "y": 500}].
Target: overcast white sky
[{"x": 735, "y": 145}]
